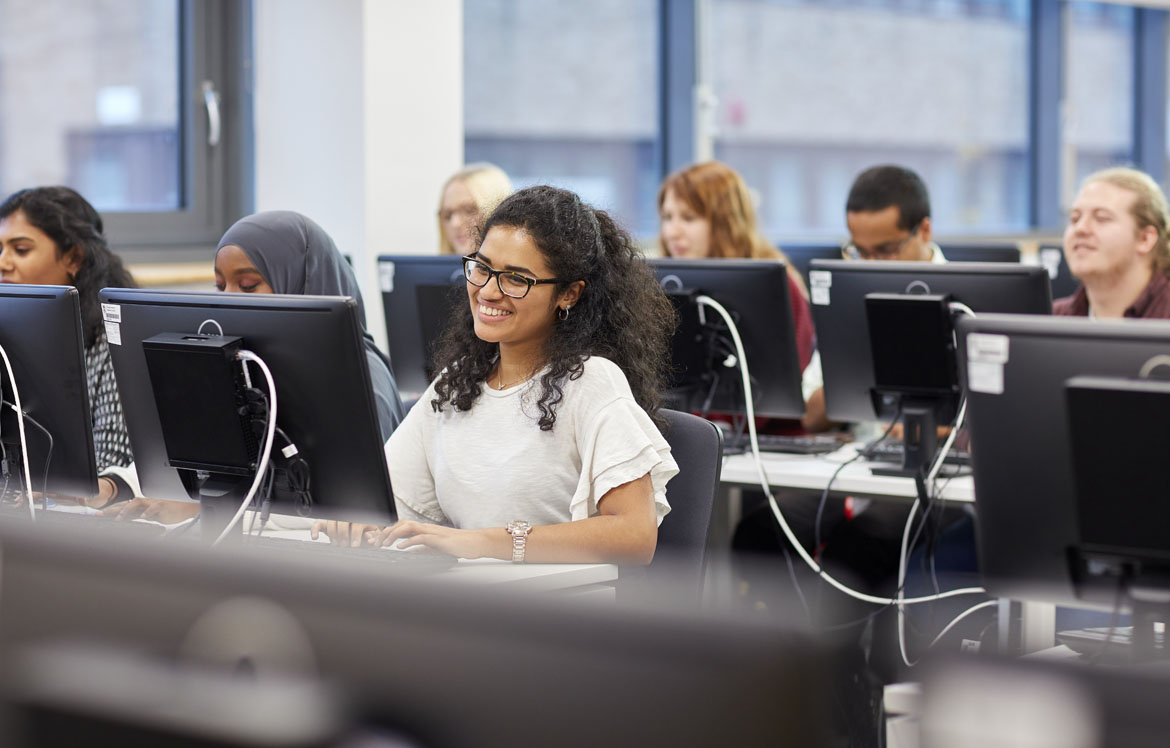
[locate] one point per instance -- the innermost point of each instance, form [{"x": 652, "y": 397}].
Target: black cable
[
  {"x": 795, "y": 583},
  {"x": 865, "y": 451},
  {"x": 45, "y": 431},
  {"x": 1114, "y": 619}
]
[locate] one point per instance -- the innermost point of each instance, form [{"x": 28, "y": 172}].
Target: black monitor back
[
  {"x": 981, "y": 252},
  {"x": 755, "y": 291},
  {"x": 1015, "y": 368},
  {"x": 40, "y": 329},
  {"x": 838, "y": 293},
  {"x": 453, "y": 664},
  {"x": 325, "y": 402},
  {"x": 417, "y": 297},
  {"x": 800, "y": 256}
]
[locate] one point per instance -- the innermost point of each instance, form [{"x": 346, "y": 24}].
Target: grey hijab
[{"x": 296, "y": 256}]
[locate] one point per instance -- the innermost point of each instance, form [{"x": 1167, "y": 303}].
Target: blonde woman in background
[{"x": 466, "y": 200}]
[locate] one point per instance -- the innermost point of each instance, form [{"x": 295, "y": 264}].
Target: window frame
[
  {"x": 681, "y": 24},
  {"x": 215, "y": 44}
]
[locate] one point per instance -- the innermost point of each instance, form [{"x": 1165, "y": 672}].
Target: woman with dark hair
[
  {"x": 52, "y": 235},
  {"x": 537, "y": 440}
]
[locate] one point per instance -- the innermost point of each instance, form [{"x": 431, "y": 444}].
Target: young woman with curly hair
[
  {"x": 52, "y": 235},
  {"x": 537, "y": 441}
]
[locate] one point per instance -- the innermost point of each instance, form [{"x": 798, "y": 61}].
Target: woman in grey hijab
[{"x": 284, "y": 252}]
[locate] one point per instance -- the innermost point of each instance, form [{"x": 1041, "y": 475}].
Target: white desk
[
  {"x": 594, "y": 580},
  {"x": 809, "y": 472}
]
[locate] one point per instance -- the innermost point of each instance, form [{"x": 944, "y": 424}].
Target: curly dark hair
[
  {"x": 622, "y": 314},
  {"x": 70, "y": 221}
]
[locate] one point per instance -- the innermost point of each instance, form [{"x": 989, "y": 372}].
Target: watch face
[{"x": 519, "y": 526}]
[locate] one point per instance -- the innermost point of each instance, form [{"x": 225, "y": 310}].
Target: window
[
  {"x": 565, "y": 93},
  {"x": 811, "y": 93},
  {"x": 1099, "y": 87},
  {"x": 108, "y": 98}
]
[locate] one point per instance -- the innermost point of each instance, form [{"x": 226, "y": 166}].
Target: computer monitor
[
  {"x": 40, "y": 330},
  {"x": 839, "y": 290},
  {"x": 707, "y": 375},
  {"x": 417, "y": 297},
  {"x": 801, "y": 255},
  {"x": 995, "y": 700},
  {"x": 1016, "y": 369},
  {"x": 1063, "y": 282},
  {"x": 443, "y": 662},
  {"x": 314, "y": 348},
  {"x": 958, "y": 252}
]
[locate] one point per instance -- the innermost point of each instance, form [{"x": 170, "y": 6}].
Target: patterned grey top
[{"x": 111, "y": 443}]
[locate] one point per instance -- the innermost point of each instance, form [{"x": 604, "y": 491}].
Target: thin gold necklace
[{"x": 500, "y": 380}]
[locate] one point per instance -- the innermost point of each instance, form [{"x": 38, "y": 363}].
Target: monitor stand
[
  {"x": 919, "y": 439},
  {"x": 1150, "y": 606},
  {"x": 219, "y": 499}
]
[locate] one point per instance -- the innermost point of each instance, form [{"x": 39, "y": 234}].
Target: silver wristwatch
[{"x": 519, "y": 530}]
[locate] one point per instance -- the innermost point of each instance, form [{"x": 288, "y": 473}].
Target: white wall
[{"x": 359, "y": 121}]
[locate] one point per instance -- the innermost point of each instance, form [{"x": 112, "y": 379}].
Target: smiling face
[
  {"x": 235, "y": 273},
  {"x": 519, "y": 324},
  {"x": 684, "y": 232},
  {"x": 1102, "y": 240},
  {"x": 28, "y": 255}
]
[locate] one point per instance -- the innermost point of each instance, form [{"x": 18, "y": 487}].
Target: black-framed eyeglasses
[
  {"x": 887, "y": 251},
  {"x": 511, "y": 283}
]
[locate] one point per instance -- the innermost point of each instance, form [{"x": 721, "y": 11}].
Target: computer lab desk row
[
  {"x": 813, "y": 473},
  {"x": 793, "y": 472}
]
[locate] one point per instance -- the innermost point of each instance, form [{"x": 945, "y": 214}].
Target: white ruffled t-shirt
[{"x": 492, "y": 464}]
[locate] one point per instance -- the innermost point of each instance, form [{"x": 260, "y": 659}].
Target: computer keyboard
[
  {"x": 804, "y": 444},
  {"x": 1091, "y": 641},
  {"x": 893, "y": 451},
  {"x": 416, "y": 560}
]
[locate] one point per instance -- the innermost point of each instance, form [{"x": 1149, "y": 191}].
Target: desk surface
[
  {"x": 810, "y": 472},
  {"x": 519, "y": 577}
]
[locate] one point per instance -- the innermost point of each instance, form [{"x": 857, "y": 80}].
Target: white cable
[
  {"x": 961, "y": 616},
  {"x": 23, "y": 440},
  {"x": 245, "y": 357},
  {"x": 766, "y": 486},
  {"x": 929, "y": 483}
]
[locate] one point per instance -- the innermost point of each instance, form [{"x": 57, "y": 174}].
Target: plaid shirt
[{"x": 111, "y": 443}]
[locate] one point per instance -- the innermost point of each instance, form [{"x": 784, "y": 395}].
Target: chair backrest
[{"x": 697, "y": 447}]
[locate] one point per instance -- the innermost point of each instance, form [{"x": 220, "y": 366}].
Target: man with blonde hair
[{"x": 1115, "y": 243}]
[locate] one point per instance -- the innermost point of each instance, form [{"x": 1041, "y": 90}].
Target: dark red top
[
  {"x": 1152, "y": 303},
  {"x": 802, "y": 322}
]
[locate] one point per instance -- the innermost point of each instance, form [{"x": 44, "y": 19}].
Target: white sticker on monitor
[
  {"x": 386, "y": 276},
  {"x": 820, "y": 295},
  {"x": 985, "y": 377},
  {"x": 987, "y": 348},
  {"x": 113, "y": 333},
  {"x": 112, "y": 313},
  {"x": 1050, "y": 258},
  {"x": 818, "y": 278}
]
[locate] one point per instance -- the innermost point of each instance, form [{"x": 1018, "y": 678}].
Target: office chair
[{"x": 697, "y": 447}]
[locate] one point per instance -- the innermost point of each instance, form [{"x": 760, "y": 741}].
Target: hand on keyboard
[{"x": 350, "y": 534}]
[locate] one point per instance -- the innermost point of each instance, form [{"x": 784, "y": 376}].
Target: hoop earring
[{"x": 563, "y": 314}]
